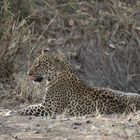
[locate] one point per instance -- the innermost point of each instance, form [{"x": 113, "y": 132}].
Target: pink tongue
[{"x": 31, "y": 78}]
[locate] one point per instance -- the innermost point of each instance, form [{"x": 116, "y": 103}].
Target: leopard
[{"x": 67, "y": 93}]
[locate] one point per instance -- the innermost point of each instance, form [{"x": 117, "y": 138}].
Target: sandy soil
[{"x": 14, "y": 127}]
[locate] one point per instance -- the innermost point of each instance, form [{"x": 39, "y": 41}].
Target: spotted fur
[{"x": 65, "y": 92}]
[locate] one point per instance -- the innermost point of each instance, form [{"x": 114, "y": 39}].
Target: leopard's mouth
[{"x": 36, "y": 78}]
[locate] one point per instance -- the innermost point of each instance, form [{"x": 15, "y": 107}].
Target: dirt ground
[{"x": 15, "y": 127}]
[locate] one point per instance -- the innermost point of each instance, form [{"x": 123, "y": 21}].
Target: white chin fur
[
  {"x": 36, "y": 83},
  {"x": 47, "y": 82}
]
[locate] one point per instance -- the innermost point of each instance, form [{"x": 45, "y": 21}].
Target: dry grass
[
  {"x": 13, "y": 39},
  {"x": 107, "y": 32}
]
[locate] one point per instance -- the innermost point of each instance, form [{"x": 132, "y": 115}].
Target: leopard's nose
[{"x": 30, "y": 78}]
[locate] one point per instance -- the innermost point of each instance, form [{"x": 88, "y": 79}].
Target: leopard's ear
[
  {"x": 60, "y": 57},
  {"x": 45, "y": 50}
]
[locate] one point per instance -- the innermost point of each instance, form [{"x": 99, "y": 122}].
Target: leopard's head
[{"x": 48, "y": 66}]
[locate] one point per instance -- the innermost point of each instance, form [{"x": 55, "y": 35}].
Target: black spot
[
  {"x": 26, "y": 113},
  {"x": 42, "y": 111},
  {"x": 37, "y": 114},
  {"x": 41, "y": 107},
  {"x": 88, "y": 121},
  {"x": 46, "y": 114},
  {"x": 42, "y": 114},
  {"x": 38, "y": 110},
  {"x": 30, "y": 113}
]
